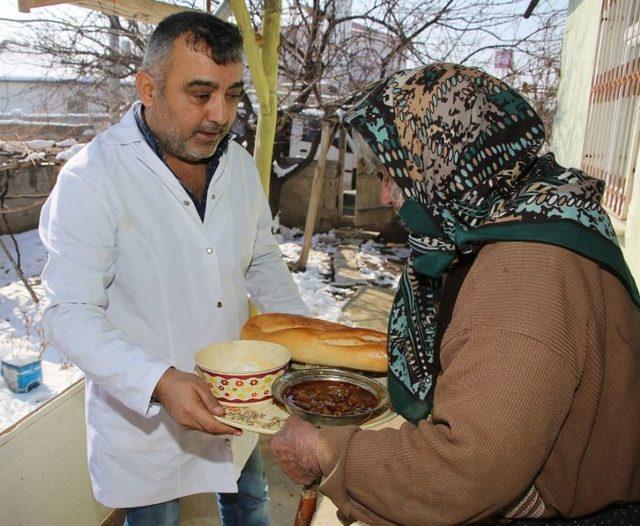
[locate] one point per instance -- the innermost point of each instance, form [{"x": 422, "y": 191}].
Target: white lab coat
[{"x": 135, "y": 283}]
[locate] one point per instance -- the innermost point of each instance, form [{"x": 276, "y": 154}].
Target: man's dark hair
[{"x": 204, "y": 32}]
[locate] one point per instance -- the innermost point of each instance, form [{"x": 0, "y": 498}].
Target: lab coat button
[
  {"x": 185, "y": 203},
  {"x": 213, "y": 196},
  {"x": 209, "y": 250},
  {"x": 219, "y": 305},
  {"x": 227, "y": 442}
]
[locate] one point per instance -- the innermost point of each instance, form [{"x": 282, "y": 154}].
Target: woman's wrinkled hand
[{"x": 294, "y": 449}]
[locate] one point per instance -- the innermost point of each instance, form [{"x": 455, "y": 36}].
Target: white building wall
[
  {"x": 33, "y": 96},
  {"x": 28, "y": 97},
  {"x": 578, "y": 58}
]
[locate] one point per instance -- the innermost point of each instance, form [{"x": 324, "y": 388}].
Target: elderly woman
[{"x": 514, "y": 337}]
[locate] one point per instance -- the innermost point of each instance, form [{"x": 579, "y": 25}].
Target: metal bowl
[{"x": 284, "y": 383}]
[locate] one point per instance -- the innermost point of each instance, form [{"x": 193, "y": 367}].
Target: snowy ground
[
  {"x": 18, "y": 322},
  {"x": 324, "y": 300},
  {"x": 38, "y": 149},
  {"x": 19, "y": 316}
]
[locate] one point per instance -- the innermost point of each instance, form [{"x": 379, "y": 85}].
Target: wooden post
[
  {"x": 342, "y": 145},
  {"x": 148, "y": 11},
  {"x": 328, "y": 131},
  {"x": 307, "y": 505}
]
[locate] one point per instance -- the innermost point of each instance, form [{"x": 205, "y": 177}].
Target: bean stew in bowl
[{"x": 328, "y": 396}]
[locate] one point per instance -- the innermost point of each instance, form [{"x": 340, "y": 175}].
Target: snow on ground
[
  {"x": 19, "y": 316},
  {"x": 324, "y": 300},
  {"x": 35, "y": 156},
  {"x": 381, "y": 264},
  {"x": 66, "y": 143},
  {"x": 40, "y": 144},
  {"x": 40, "y": 149},
  {"x": 69, "y": 153},
  {"x": 19, "y": 321},
  {"x": 33, "y": 258},
  {"x": 280, "y": 171},
  {"x": 57, "y": 375}
]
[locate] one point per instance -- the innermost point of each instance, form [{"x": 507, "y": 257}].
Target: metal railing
[{"x": 613, "y": 124}]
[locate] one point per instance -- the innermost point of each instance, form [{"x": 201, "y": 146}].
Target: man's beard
[{"x": 175, "y": 144}]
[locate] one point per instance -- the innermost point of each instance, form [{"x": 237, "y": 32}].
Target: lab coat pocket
[{"x": 122, "y": 430}]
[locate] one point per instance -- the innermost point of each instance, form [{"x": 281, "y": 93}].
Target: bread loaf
[{"x": 321, "y": 342}]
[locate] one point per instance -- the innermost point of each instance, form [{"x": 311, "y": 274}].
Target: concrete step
[
  {"x": 369, "y": 308},
  {"x": 346, "y": 271}
]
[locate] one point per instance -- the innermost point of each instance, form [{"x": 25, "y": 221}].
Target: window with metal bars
[{"x": 613, "y": 129}]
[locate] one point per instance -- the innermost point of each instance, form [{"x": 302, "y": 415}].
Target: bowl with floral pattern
[{"x": 242, "y": 372}]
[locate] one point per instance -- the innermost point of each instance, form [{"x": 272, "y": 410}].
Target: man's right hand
[{"x": 188, "y": 400}]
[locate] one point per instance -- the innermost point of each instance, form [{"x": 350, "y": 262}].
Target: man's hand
[
  {"x": 188, "y": 400},
  {"x": 294, "y": 448}
]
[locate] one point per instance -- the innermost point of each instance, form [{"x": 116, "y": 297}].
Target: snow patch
[
  {"x": 313, "y": 112},
  {"x": 12, "y": 147},
  {"x": 68, "y": 154},
  {"x": 66, "y": 143},
  {"x": 39, "y": 144},
  {"x": 282, "y": 172},
  {"x": 35, "y": 156}
]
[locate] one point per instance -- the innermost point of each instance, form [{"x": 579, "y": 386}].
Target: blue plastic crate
[{"x": 22, "y": 378}]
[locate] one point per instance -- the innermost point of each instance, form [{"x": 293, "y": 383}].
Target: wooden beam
[
  {"x": 149, "y": 11},
  {"x": 328, "y": 131},
  {"x": 25, "y": 6},
  {"x": 342, "y": 152}
]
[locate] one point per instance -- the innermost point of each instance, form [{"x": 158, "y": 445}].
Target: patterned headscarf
[{"x": 463, "y": 147}]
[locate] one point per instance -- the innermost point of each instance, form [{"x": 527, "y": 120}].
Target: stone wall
[
  {"x": 370, "y": 214},
  {"x": 296, "y": 193},
  {"x": 35, "y": 180}
]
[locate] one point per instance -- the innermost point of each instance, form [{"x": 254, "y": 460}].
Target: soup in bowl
[{"x": 328, "y": 396}]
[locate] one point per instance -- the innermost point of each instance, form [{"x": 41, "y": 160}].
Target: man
[
  {"x": 157, "y": 233},
  {"x": 513, "y": 340}
]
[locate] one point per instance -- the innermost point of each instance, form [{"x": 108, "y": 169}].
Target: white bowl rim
[{"x": 274, "y": 346}]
